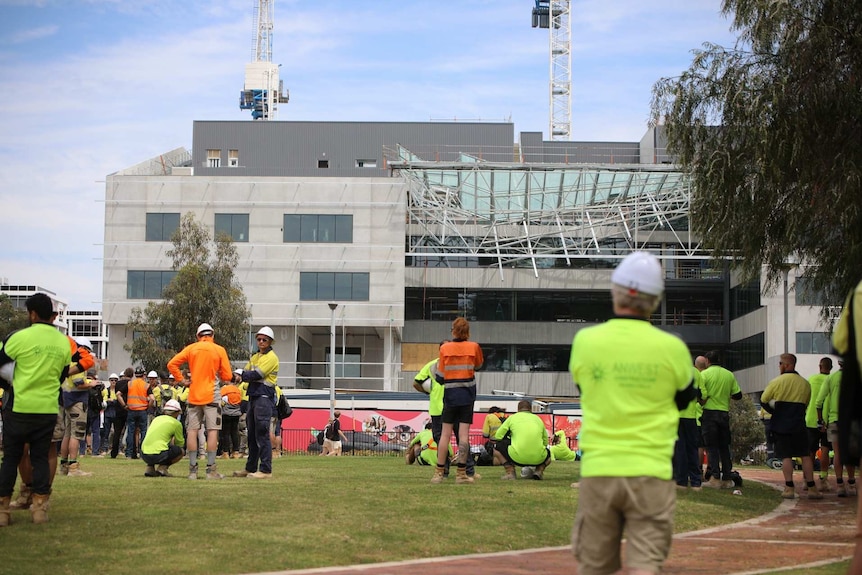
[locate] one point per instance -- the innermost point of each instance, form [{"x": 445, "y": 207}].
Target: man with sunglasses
[{"x": 261, "y": 373}]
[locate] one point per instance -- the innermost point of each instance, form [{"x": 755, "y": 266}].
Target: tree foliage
[
  {"x": 204, "y": 289},
  {"x": 771, "y": 133},
  {"x": 11, "y": 318},
  {"x": 746, "y": 428}
]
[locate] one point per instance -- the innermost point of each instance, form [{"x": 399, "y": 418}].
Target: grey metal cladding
[{"x": 297, "y": 148}]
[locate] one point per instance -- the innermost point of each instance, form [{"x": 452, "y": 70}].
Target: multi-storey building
[{"x": 407, "y": 225}]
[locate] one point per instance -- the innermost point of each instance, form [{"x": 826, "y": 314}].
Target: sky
[{"x": 94, "y": 86}]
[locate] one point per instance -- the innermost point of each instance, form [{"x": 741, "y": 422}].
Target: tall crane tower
[
  {"x": 555, "y": 15},
  {"x": 262, "y": 91}
]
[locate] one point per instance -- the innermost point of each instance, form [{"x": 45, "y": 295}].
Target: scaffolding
[{"x": 473, "y": 213}]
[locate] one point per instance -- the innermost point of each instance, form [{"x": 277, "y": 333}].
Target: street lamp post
[{"x": 332, "y": 307}]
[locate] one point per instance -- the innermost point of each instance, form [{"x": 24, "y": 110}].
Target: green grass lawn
[{"x": 314, "y": 512}]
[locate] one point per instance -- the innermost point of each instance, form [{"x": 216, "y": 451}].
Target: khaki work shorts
[
  {"x": 75, "y": 421},
  {"x": 206, "y": 416},
  {"x": 639, "y": 508}
]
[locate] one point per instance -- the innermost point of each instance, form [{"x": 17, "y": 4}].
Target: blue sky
[{"x": 93, "y": 86}]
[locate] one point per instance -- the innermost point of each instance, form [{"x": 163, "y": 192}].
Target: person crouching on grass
[{"x": 163, "y": 444}]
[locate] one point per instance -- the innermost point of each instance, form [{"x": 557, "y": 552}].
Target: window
[
  {"x": 160, "y": 227},
  {"x": 748, "y": 352},
  {"x": 807, "y": 295},
  {"x": 84, "y": 327},
  {"x": 348, "y": 365},
  {"x": 366, "y": 163},
  {"x": 339, "y": 286},
  {"x": 813, "y": 342},
  {"x": 744, "y": 298},
  {"x": 147, "y": 284},
  {"x": 318, "y": 228},
  {"x": 322, "y": 163},
  {"x": 213, "y": 158},
  {"x": 234, "y": 225},
  {"x": 233, "y": 158},
  {"x": 542, "y": 358}
]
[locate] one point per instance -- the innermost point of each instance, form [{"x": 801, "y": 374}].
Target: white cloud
[{"x": 24, "y": 36}]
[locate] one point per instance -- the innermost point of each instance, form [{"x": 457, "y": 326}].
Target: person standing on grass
[
  {"x": 719, "y": 387},
  {"x": 817, "y": 439},
  {"x": 261, "y": 373},
  {"x": 109, "y": 400},
  {"x": 827, "y": 405},
  {"x": 207, "y": 363},
  {"x": 633, "y": 380},
  {"x": 459, "y": 359},
  {"x": 786, "y": 397},
  {"x": 686, "y": 465},
  {"x": 163, "y": 445},
  {"x": 42, "y": 356},
  {"x": 332, "y": 436},
  {"x": 847, "y": 342},
  {"x": 138, "y": 401},
  {"x": 76, "y": 399},
  {"x": 230, "y": 395}
]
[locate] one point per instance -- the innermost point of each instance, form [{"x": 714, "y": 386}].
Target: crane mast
[
  {"x": 556, "y": 16},
  {"x": 262, "y": 91}
]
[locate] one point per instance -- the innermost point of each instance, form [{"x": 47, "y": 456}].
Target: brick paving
[{"x": 798, "y": 533}]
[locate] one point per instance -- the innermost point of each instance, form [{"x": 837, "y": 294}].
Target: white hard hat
[
  {"x": 203, "y": 328},
  {"x": 267, "y": 331},
  {"x": 113, "y": 376},
  {"x": 83, "y": 342},
  {"x": 152, "y": 374},
  {"x": 171, "y": 376},
  {"x": 238, "y": 371},
  {"x": 172, "y": 405},
  {"x": 640, "y": 271}
]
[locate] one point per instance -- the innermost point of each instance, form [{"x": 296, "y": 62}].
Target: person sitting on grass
[
  {"x": 423, "y": 448},
  {"x": 163, "y": 444},
  {"x": 522, "y": 440}
]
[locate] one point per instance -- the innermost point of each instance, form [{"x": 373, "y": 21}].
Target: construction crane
[
  {"x": 555, "y": 15},
  {"x": 262, "y": 91}
]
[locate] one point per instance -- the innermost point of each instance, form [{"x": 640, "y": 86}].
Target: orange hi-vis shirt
[
  {"x": 81, "y": 356},
  {"x": 138, "y": 392},
  {"x": 459, "y": 360},
  {"x": 234, "y": 395},
  {"x": 208, "y": 363}
]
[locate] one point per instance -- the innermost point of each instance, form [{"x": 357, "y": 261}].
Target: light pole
[{"x": 332, "y": 307}]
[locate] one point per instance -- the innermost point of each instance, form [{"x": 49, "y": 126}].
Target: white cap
[
  {"x": 113, "y": 376},
  {"x": 84, "y": 342},
  {"x": 172, "y": 405},
  {"x": 171, "y": 376},
  {"x": 152, "y": 374},
  {"x": 203, "y": 328},
  {"x": 641, "y": 272},
  {"x": 267, "y": 331}
]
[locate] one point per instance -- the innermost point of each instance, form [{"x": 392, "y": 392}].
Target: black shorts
[
  {"x": 791, "y": 444},
  {"x": 503, "y": 445},
  {"x": 163, "y": 458},
  {"x": 457, "y": 414},
  {"x": 817, "y": 439}
]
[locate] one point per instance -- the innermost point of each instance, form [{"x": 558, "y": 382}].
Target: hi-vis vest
[{"x": 137, "y": 400}]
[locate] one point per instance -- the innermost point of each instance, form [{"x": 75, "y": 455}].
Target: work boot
[
  {"x": 788, "y": 493},
  {"x": 438, "y": 475},
  {"x": 462, "y": 477},
  {"x": 814, "y": 493},
  {"x": 39, "y": 508},
  {"x": 510, "y": 472},
  {"x": 259, "y": 475},
  {"x": 276, "y": 453},
  {"x": 851, "y": 489},
  {"x": 150, "y": 471},
  {"x": 242, "y": 473},
  {"x": 5, "y": 515},
  {"x": 64, "y": 468},
  {"x": 728, "y": 484},
  {"x": 539, "y": 474},
  {"x": 234, "y": 455},
  {"x": 212, "y": 473},
  {"x": 193, "y": 472},
  {"x": 25, "y": 498},
  {"x": 163, "y": 471},
  {"x": 713, "y": 483},
  {"x": 825, "y": 486},
  {"x": 224, "y": 455},
  {"x": 75, "y": 471},
  {"x": 842, "y": 491}
]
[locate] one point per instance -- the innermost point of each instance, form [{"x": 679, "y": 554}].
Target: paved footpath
[{"x": 799, "y": 533}]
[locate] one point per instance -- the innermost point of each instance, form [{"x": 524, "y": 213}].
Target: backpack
[
  {"x": 282, "y": 408},
  {"x": 94, "y": 403},
  {"x": 321, "y": 435},
  {"x": 167, "y": 393}
]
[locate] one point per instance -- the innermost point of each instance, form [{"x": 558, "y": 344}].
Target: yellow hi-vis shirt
[{"x": 629, "y": 373}]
